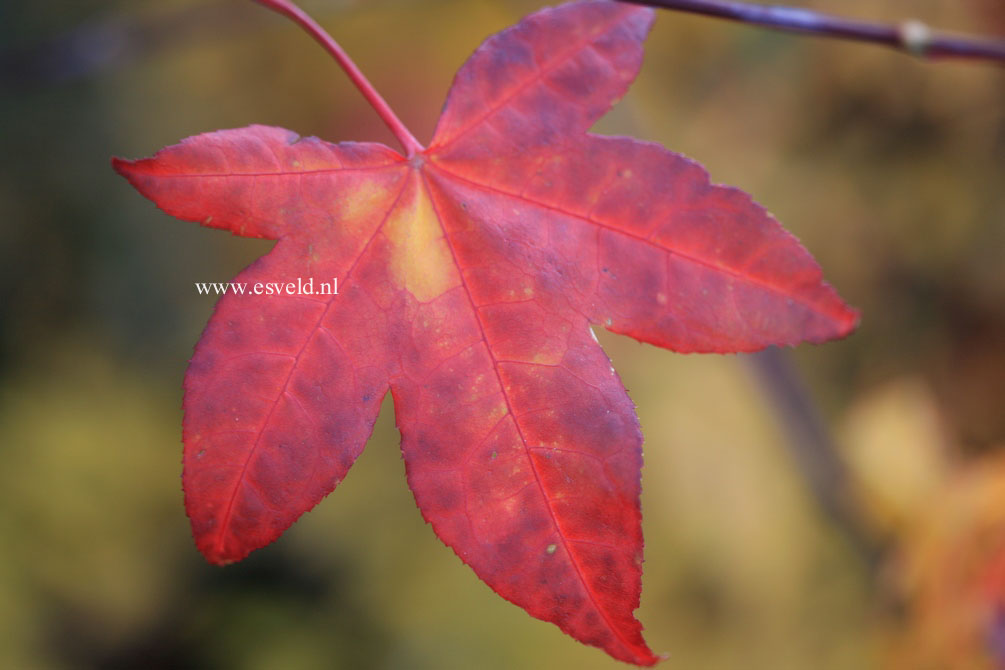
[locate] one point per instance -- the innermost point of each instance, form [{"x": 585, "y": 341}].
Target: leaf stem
[
  {"x": 404, "y": 135},
  {"x": 911, "y": 36}
]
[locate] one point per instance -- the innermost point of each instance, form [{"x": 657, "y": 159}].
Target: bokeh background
[{"x": 840, "y": 506}]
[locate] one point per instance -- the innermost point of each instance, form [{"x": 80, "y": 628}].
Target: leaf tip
[
  {"x": 645, "y": 658},
  {"x": 215, "y": 554},
  {"x": 846, "y": 320},
  {"x": 853, "y": 318},
  {"x": 121, "y": 165},
  {"x": 127, "y": 169}
]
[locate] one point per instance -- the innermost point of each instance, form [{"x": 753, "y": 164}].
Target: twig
[
  {"x": 812, "y": 448},
  {"x": 911, "y": 36}
]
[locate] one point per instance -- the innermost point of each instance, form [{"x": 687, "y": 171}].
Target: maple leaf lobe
[
  {"x": 586, "y": 52},
  {"x": 469, "y": 277}
]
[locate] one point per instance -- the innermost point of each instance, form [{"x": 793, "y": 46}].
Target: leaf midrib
[{"x": 745, "y": 278}]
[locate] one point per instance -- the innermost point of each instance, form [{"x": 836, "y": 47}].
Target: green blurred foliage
[{"x": 889, "y": 169}]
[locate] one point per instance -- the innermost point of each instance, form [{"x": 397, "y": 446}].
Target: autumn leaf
[{"x": 469, "y": 275}]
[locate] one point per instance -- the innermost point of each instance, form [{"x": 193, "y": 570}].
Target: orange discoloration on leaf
[{"x": 470, "y": 274}]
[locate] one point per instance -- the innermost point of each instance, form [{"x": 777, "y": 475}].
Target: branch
[
  {"x": 911, "y": 36},
  {"x": 812, "y": 448}
]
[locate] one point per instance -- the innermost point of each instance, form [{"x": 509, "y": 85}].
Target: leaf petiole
[{"x": 404, "y": 135}]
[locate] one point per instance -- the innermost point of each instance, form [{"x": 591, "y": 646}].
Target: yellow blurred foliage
[
  {"x": 896, "y": 449},
  {"x": 943, "y": 578}
]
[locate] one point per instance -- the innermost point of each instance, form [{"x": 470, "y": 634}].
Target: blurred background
[{"x": 839, "y": 506}]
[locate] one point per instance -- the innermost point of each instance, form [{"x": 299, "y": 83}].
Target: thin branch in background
[
  {"x": 811, "y": 447},
  {"x": 106, "y": 44},
  {"x": 910, "y": 36}
]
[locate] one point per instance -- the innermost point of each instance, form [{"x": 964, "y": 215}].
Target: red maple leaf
[{"x": 469, "y": 274}]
